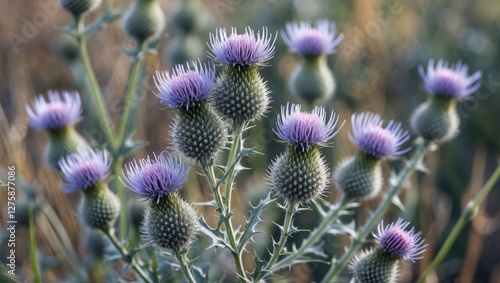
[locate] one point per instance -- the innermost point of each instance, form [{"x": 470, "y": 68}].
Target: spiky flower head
[
  {"x": 399, "y": 242},
  {"x": 83, "y": 170},
  {"x": 305, "y": 129},
  {"x": 154, "y": 178},
  {"x": 311, "y": 40},
  {"x": 359, "y": 177},
  {"x": 144, "y": 20},
  {"x": 241, "y": 49},
  {"x": 185, "y": 87},
  {"x": 61, "y": 110},
  {"x": 373, "y": 139},
  {"x": 449, "y": 81},
  {"x": 79, "y": 7}
]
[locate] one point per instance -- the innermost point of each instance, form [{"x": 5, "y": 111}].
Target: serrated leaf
[
  {"x": 343, "y": 228},
  {"x": 218, "y": 239},
  {"x": 252, "y": 221},
  {"x": 397, "y": 202}
]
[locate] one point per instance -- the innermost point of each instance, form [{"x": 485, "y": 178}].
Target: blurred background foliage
[{"x": 376, "y": 69}]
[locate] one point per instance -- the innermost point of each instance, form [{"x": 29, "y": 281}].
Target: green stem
[
  {"x": 233, "y": 153},
  {"x": 98, "y": 99},
  {"x": 34, "y": 261},
  {"x": 185, "y": 267},
  {"x": 394, "y": 189},
  {"x": 122, "y": 196},
  {"x": 466, "y": 215},
  {"x": 313, "y": 238},
  {"x": 127, "y": 257}
]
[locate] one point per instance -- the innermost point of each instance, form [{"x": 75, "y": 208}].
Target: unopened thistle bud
[
  {"x": 144, "y": 20},
  {"x": 240, "y": 93},
  {"x": 312, "y": 80},
  {"x": 57, "y": 116},
  {"x": 381, "y": 264},
  {"x": 79, "y": 7},
  {"x": 437, "y": 119},
  {"x": 198, "y": 131},
  {"x": 185, "y": 16},
  {"x": 360, "y": 176},
  {"x": 87, "y": 171},
  {"x": 301, "y": 174},
  {"x": 170, "y": 222}
]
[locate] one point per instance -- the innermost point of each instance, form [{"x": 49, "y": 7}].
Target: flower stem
[
  {"x": 465, "y": 217},
  {"x": 126, "y": 256},
  {"x": 98, "y": 99},
  {"x": 34, "y": 261},
  {"x": 185, "y": 267},
  {"x": 233, "y": 153},
  {"x": 313, "y": 238},
  {"x": 394, "y": 189}
]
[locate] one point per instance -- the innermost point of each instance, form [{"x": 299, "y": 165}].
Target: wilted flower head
[
  {"x": 185, "y": 87},
  {"x": 371, "y": 138},
  {"x": 305, "y": 129},
  {"x": 399, "y": 242},
  {"x": 84, "y": 169},
  {"x": 155, "y": 178},
  {"x": 241, "y": 49},
  {"x": 308, "y": 40},
  {"x": 449, "y": 81},
  {"x": 56, "y": 113}
]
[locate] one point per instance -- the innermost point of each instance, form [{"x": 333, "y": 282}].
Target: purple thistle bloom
[
  {"x": 397, "y": 241},
  {"x": 449, "y": 81},
  {"x": 308, "y": 40},
  {"x": 185, "y": 87},
  {"x": 241, "y": 49},
  {"x": 156, "y": 178},
  {"x": 305, "y": 129},
  {"x": 371, "y": 138},
  {"x": 60, "y": 111},
  {"x": 84, "y": 169}
]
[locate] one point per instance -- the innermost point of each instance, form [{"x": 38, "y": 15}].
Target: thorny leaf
[{"x": 252, "y": 221}]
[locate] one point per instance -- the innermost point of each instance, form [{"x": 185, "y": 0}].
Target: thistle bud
[
  {"x": 185, "y": 16},
  {"x": 240, "y": 92},
  {"x": 381, "y": 264},
  {"x": 437, "y": 119},
  {"x": 312, "y": 80},
  {"x": 79, "y": 7},
  {"x": 144, "y": 20},
  {"x": 87, "y": 171},
  {"x": 57, "y": 116},
  {"x": 360, "y": 176},
  {"x": 170, "y": 222}
]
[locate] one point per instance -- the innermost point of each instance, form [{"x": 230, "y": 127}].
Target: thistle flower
[
  {"x": 449, "y": 81},
  {"x": 437, "y": 119},
  {"x": 144, "y": 20},
  {"x": 241, "y": 49},
  {"x": 312, "y": 80},
  {"x": 360, "y": 176},
  {"x": 79, "y": 7},
  {"x": 381, "y": 264},
  {"x": 307, "y": 40},
  {"x": 185, "y": 88},
  {"x": 87, "y": 171},
  {"x": 170, "y": 222},
  {"x": 57, "y": 116},
  {"x": 305, "y": 129}
]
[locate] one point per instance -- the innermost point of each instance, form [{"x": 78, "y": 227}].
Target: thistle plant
[{"x": 215, "y": 104}]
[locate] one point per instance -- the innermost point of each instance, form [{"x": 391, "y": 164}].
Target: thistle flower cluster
[
  {"x": 360, "y": 176},
  {"x": 312, "y": 80},
  {"x": 300, "y": 174},
  {"x": 381, "y": 264},
  {"x": 437, "y": 119}
]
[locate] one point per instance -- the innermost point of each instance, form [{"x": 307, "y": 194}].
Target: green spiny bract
[
  {"x": 170, "y": 223},
  {"x": 62, "y": 143},
  {"x": 78, "y": 7},
  {"x": 312, "y": 80},
  {"x": 100, "y": 207},
  {"x": 359, "y": 177},
  {"x": 299, "y": 175},
  {"x": 436, "y": 119},
  {"x": 199, "y": 133},
  {"x": 144, "y": 20},
  {"x": 240, "y": 93},
  {"x": 375, "y": 266}
]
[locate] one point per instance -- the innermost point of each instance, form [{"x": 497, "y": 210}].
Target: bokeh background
[{"x": 376, "y": 69}]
